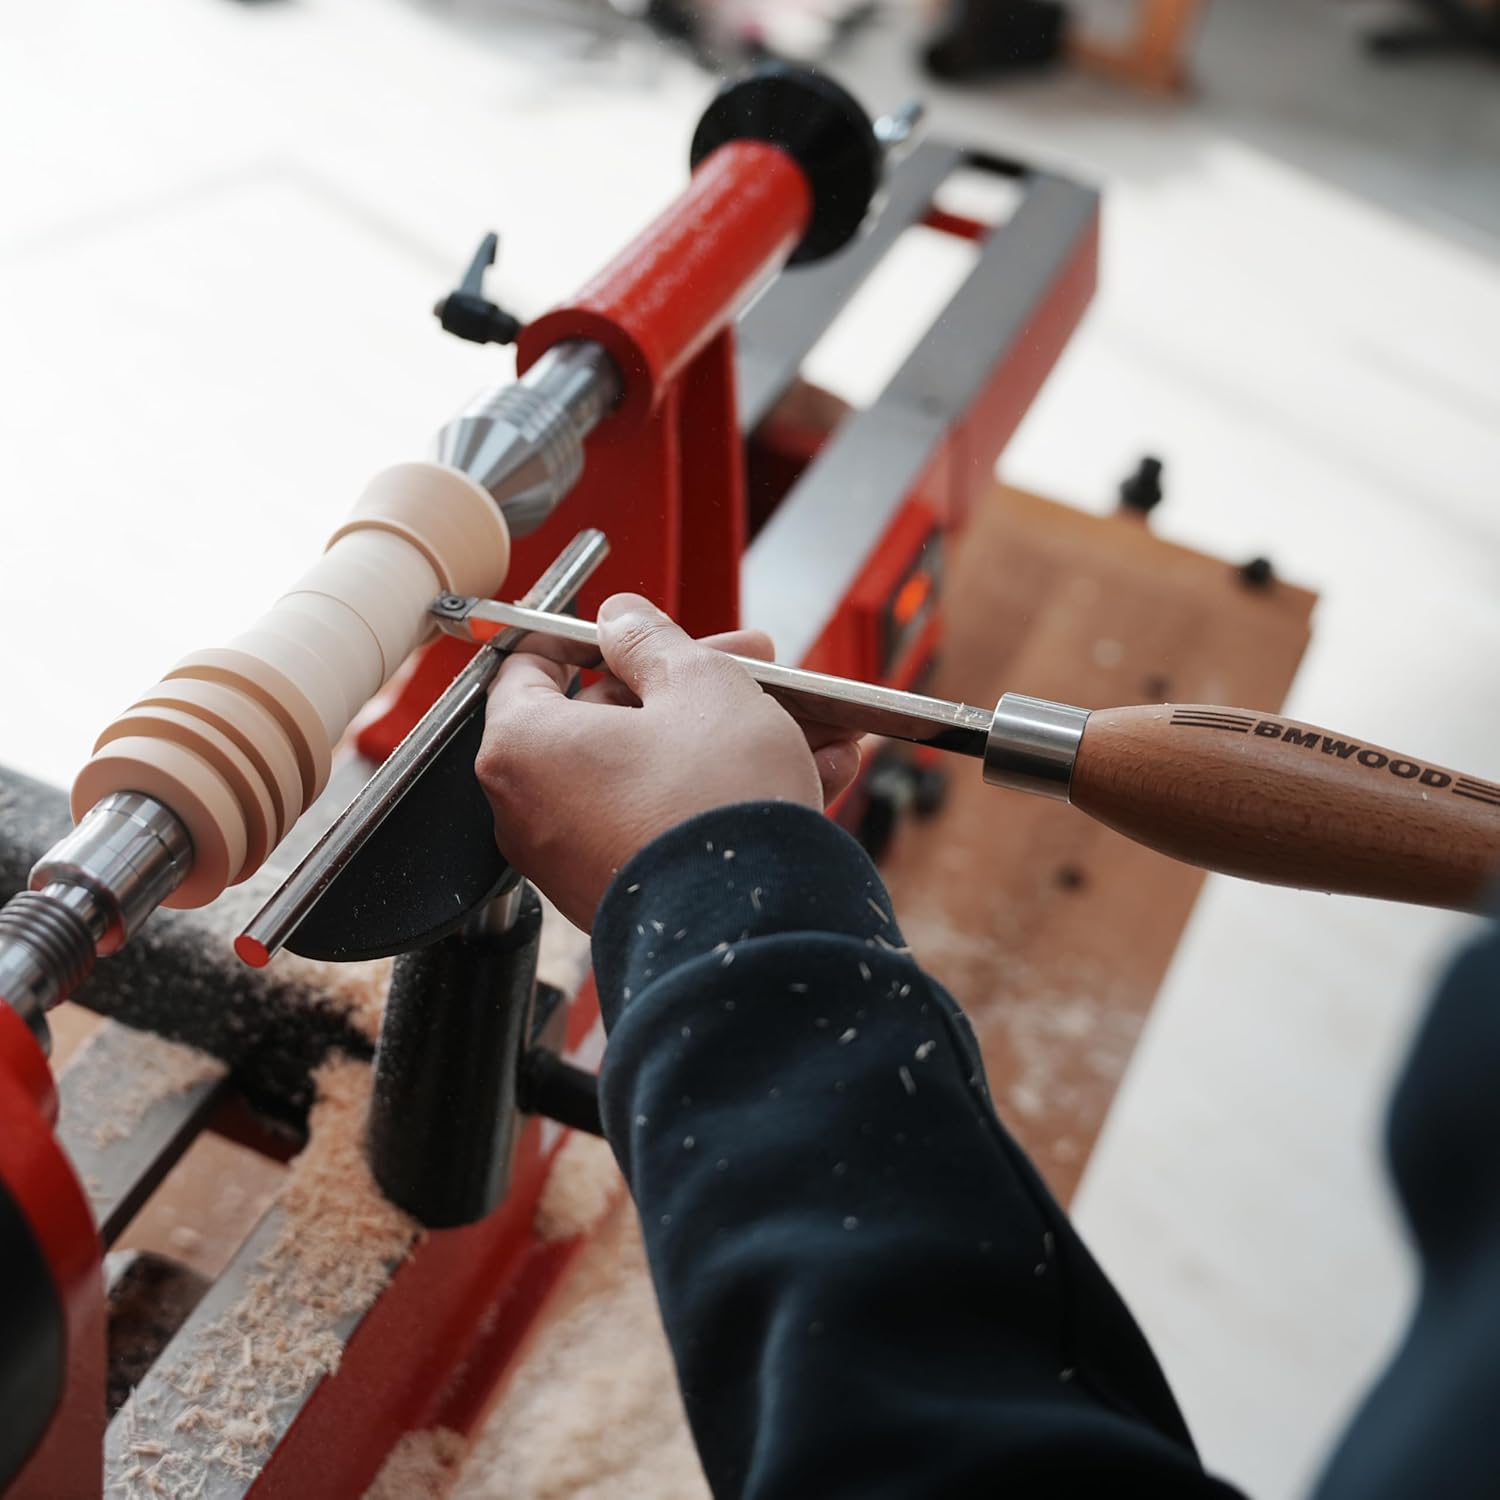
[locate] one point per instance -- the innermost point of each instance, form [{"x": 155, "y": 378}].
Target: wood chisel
[{"x": 1229, "y": 789}]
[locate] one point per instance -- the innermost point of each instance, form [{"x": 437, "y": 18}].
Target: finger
[
  {"x": 757, "y": 644},
  {"x": 646, "y": 651},
  {"x": 819, "y": 734},
  {"x": 838, "y": 764},
  {"x": 526, "y": 692},
  {"x": 608, "y": 690},
  {"x": 557, "y": 648},
  {"x": 754, "y": 643},
  {"x": 522, "y": 674}
]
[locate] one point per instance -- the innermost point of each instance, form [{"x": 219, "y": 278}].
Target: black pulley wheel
[{"x": 821, "y": 127}]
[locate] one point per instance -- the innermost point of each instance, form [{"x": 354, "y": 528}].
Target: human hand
[{"x": 578, "y": 786}]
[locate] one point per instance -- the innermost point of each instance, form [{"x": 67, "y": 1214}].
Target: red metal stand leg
[
  {"x": 714, "y": 515},
  {"x": 67, "y": 1464},
  {"x": 633, "y": 493}
]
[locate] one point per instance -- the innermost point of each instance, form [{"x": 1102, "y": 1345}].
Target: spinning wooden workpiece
[{"x": 237, "y": 742}]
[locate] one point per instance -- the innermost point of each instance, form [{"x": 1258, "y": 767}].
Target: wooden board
[{"x": 1051, "y": 931}]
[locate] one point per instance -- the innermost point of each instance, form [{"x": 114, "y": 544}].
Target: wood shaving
[
  {"x": 357, "y": 990},
  {"x": 422, "y": 1466},
  {"x": 354, "y": 990},
  {"x": 249, "y": 1369},
  {"x": 184, "y": 1239},
  {"x": 1049, "y": 1018},
  {"x": 582, "y": 1186},
  {"x": 136, "y": 1072},
  {"x": 564, "y": 959},
  {"x": 594, "y": 1413},
  {"x": 341, "y": 1237}
]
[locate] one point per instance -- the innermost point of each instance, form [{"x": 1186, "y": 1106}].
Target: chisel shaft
[{"x": 859, "y": 706}]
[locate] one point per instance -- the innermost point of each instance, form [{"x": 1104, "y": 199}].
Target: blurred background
[{"x": 223, "y": 229}]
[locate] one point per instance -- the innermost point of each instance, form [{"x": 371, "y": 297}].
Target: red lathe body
[{"x": 837, "y": 552}]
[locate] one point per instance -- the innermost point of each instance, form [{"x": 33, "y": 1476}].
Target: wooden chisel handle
[{"x": 1275, "y": 800}]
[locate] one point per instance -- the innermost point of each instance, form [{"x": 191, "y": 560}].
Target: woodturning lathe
[
  {"x": 192, "y": 789},
  {"x": 641, "y": 365}
]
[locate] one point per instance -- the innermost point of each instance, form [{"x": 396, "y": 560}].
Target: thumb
[{"x": 641, "y": 646}]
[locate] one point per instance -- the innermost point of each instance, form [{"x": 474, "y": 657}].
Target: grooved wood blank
[{"x": 238, "y": 740}]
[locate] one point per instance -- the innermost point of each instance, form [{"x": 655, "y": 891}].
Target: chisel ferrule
[{"x": 1033, "y": 744}]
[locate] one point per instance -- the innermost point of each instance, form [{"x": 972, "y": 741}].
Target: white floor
[{"x": 222, "y": 227}]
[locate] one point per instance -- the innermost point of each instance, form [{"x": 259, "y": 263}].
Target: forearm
[{"x": 868, "y": 1290}]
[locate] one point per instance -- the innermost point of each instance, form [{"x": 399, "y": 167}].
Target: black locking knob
[
  {"x": 467, "y": 313},
  {"x": 1141, "y": 490}
]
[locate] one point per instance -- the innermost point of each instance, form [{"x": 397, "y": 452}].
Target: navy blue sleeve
[
  {"x": 867, "y": 1288},
  {"x": 1428, "y": 1427}
]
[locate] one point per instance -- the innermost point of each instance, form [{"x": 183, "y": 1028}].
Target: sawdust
[
  {"x": 582, "y": 1186},
  {"x": 422, "y": 1466},
  {"x": 594, "y": 1413},
  {"x": 185, "y": 1239},
  {"x": 136, "y": 1072},
  {"x": 1071, "y": 1039},
  {"x": 1066, "y": 1027},
  {"x": 341, "y": 1236},
  {"x": 564, "y": 959},
  {"x": 250, "y": 1369},
  {"x": 356, "y": 990}
]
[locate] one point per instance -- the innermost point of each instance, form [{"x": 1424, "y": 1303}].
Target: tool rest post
[
  {"x": 445, "y": 1113},
  {"x": 237, "y": 741}
]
